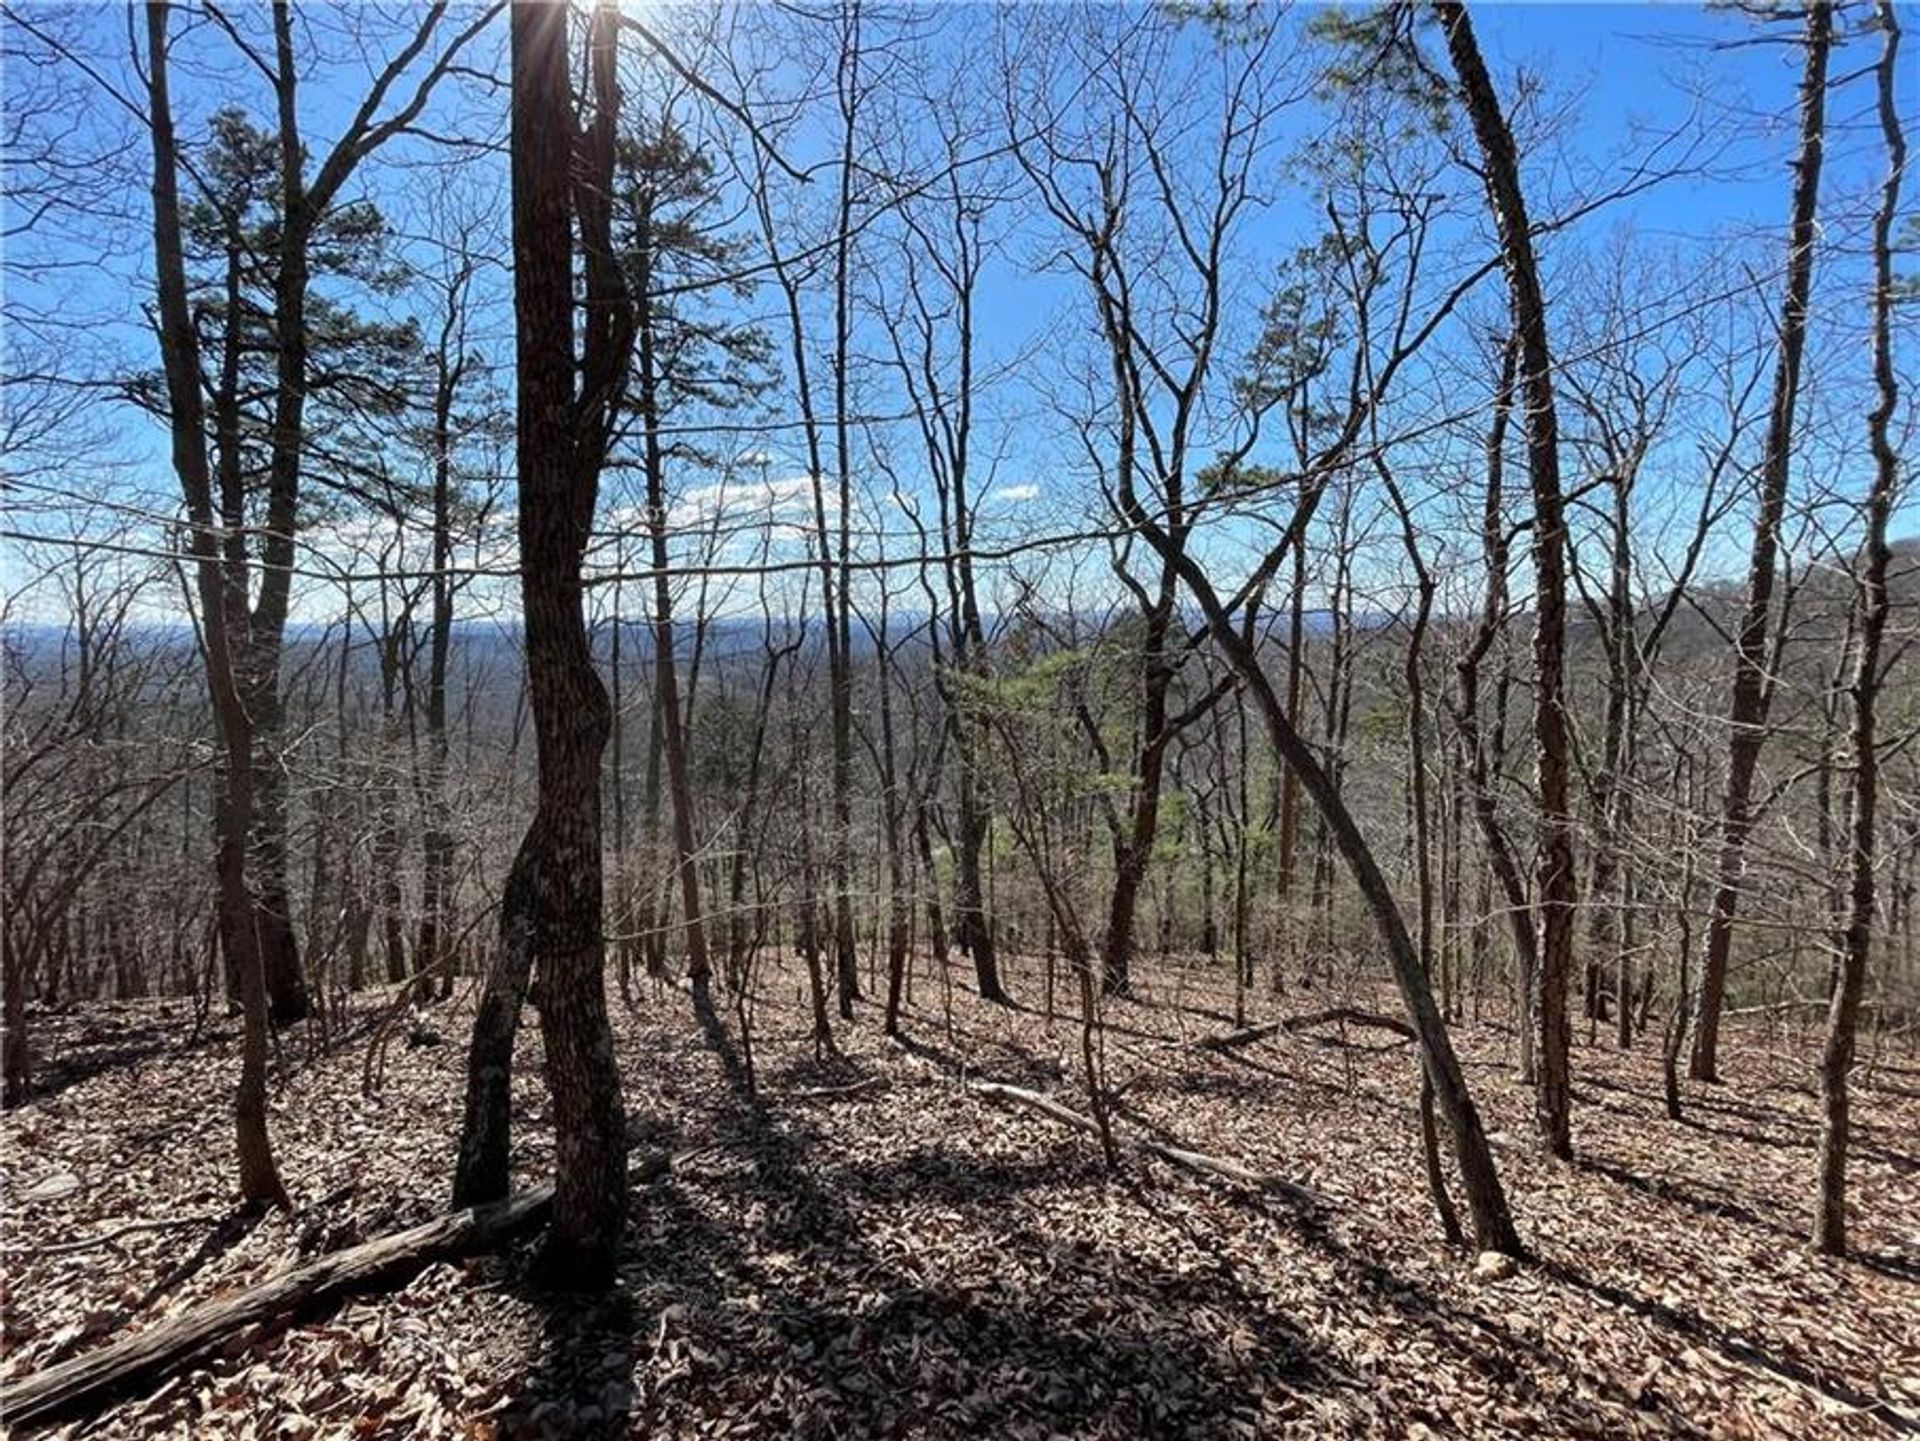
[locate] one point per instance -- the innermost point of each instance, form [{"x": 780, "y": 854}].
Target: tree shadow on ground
[
  {"x": 732, "y": 1063},
  {"x": 1676, "y": 1195},
  {"x": 851, "y": 1342},
  {"x": 1227, "y": 1084},
  {"x": 1795, "y": 1133},
  {"x": 1506, "y": 1357},
  {"x": 1901, "y": 1268},
  {"x": 1456, "y": 1327},
  {"x": 67, "y": 1056},
  {"x": 581, "y": 1379},
  {"x": 1807, "y": 1143},
  {"x": 1296, "y": 1087},
  {"x": 72, "y": 1046},
  {"x": 227, "y": 1232},
  {"x": 1027, "y": 1069},
  {"x": 1730, "y": 1344},
  {"x": 767, "y": 1282},
  {"x": 1063, "y": 1015},
  {"x": 1146, "y": 1002},
  {"x": 936, "y": 1174},
  {"x": 582, "y": 1382}
]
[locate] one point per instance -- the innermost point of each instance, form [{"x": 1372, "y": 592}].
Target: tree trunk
[
  {"x": 1133, "y": 843},
  {"x": 1289, "y": 840},
  {"x": 1752, "y": 692},
  {"x": 79, "y": 1386},
  {"x": 18, "y": 1061},
  {"x": 550, "y": 911},
  {"x": 1555, "y": 892},
  {"x": 665, "y": 665},
  {"x": 1481, "y": 760},
  {"x": 972, "y": 927},
  {"x": 738, "y": 932},
  {"x": 1486, "y": 1199},
  {"x": 386, "y": 834},
  {"x": 179, "y": 345},
  {"x": 1856, "y": 940},
  {"x": 436, "y": 840}
]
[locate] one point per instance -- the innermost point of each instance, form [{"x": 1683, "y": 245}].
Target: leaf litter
[{"x": 869, "y": 1249}]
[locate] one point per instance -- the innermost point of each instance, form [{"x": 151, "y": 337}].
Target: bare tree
[
  {"x": 1134, "y": 365},
  {"x": 932, "y": 340},
  {"x": 1555, "y": 890},
  {"x": 1752, "y": 693},
  {"x": 1856, "y": 940},
  {"x": 551, "y": 910},
  {"x": 453, "y": 364}
]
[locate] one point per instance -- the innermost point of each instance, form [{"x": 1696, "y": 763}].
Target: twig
[
  {"x": 1348, "y": 1014},
  {"x": 816, "y": 1093},
  {"x": 68, "y": 1248}
]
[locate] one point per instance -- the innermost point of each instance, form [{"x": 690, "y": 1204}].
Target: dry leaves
[{"x": 872, "y": 1251}]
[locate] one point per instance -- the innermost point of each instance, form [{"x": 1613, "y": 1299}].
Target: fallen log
[
  {"x": 88, "y": 1380},
  {"x": 1794, "y": 1003},
  {"x": 1199, "y": 1162},
  {"x": 1215, "y": 1167},
  {"x": 1352, "y": 1016}
]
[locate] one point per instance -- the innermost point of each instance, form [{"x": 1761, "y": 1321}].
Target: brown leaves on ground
[{"x": 871, "y": 1251}]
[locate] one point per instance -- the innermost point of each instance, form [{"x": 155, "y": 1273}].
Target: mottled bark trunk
[{"x": 551, "y": 909}]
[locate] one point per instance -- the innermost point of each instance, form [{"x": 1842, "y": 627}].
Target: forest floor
[{"x": 870, "y": 1250}]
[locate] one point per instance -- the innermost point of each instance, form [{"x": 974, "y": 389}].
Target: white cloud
[
  {"x": 1016, "y": 494},
  {"x": 787, "y": 499}
]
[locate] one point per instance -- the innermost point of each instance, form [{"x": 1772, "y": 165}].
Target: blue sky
[{"x": 1613, "y": 78}]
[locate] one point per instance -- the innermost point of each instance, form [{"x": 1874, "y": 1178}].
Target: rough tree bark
[
  {"x": 1752, "y": 693},
  {"x": 1555, "y": 890},
  {"x": 551, "y": 908},
  {"x": 1856, "y": 940},
  {"x": 233, "y": 812}
]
